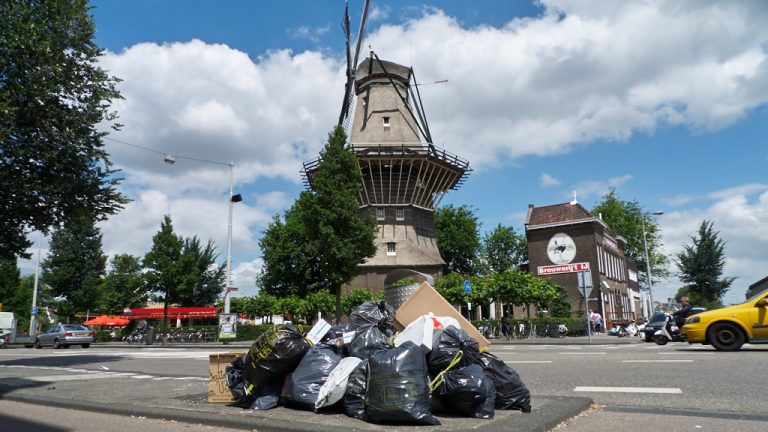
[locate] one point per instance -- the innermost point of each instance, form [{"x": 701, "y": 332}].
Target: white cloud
[
  {"x": 546, "y": 180},
  {"x": 596, "y": 188},
  {"x": 584, "y": 71},
  {"x": 244, "y": 277},
  {"x": 740, "y": 215}
]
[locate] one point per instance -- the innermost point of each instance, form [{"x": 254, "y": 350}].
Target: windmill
[{"x": 404, "y": 177}]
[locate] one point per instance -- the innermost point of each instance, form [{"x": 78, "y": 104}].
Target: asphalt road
[{"x": 677, "y": 386}]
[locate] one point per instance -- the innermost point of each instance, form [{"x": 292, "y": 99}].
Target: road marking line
[
  {"x": 687, "y": 353},
  {"x": 527, "y": 361},
  {"x": 51, "y": 378},
  {"x": 142, "y": 376},
  {"x": 581, "y": 353},
  {"x": 657, "y": 390},
  {"x": 657, "y": 361}
]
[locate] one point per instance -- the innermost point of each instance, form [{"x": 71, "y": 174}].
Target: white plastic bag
[
  {"x": 334, "y": 387},
  {"x": 420, "y": 330}
]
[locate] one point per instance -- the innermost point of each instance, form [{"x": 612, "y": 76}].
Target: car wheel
[
  {"x": 648, "y": 337},
  {"x": 725, "y": 337},
  {"x": 86, "y": 345},
  {"x": 56, "y": 344},
  {"x": 660, "y": 339},
  {"x": 37, "y": 344}
]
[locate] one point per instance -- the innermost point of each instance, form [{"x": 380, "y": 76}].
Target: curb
[{"x": 553, "y": 411}]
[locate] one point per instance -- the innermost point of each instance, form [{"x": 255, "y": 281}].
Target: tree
[
  {"x": 355, "y": 298},
  {"x": 75, "y": 265},
  {"x": 323, "y": 240},
  {"x": 200, "y": 263},
  {"x": 504, "y": 249},
  {"x": 52, "y": 97},
  {"x": 458, "y": 238},
  {"x": 9, "y": 280},
  {"x": 124, "y": 285},
  {"x": 626, "y": 218},
  {"x": 701, "y": 266},
  {"x": 165, "y": 270}
]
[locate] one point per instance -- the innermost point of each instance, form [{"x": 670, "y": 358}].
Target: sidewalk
[{"x": 186, "y": 400}]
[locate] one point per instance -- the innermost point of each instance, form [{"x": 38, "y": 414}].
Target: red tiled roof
[{"x": 558, "y": 213}]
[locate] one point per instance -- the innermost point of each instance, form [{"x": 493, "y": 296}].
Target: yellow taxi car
[{"x": 727, "y": 329}]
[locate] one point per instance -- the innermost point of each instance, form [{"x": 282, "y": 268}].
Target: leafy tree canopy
[
  {"x": 75, "y": 265},
  {"x": 124, "y": 285},
  {"x": 504, "y": 249},
  {"x": 458, "y": 238},
  {"x": 322, "y": 240},
  {"x": 52, "y": 97},
  {"x": 627, "y": 218},
  {"x": 701, "y": 266}
]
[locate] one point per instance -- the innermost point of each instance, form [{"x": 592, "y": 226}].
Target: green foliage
[
  {"x": 322, "y": 302},
  {"x": 165, "y": 271},
  {"x": 451, "y": 287},
  {"x": 75, "y": 265},
  {"x": 701, "y": 265},
  {"x": 10, "y": 277},
  {"x": 209, "y": 277},
  {"x": 355, "y": 298},
  {"x": 123, "y": 286},
  {"x": 322, "y": 240},
  {"x": 458, "y": 238},
  {"x": 504, "y": 249},
  {"x": 627, "y": 218},
  {"x": 53, "y": 95}
]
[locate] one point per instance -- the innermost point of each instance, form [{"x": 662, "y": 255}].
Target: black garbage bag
[
  {"x": 446, "y": 344},
  {"x": 335, "y": 338},
  {"x": 368, "y": 338},
  {"x": 353, "y": 402},
  {"x": 264, "y": 399},
  {"x": 275, "y": 353},
  {"x": 511, "y": 393},
  {"x": 303, "y": 387},
  {"x": 398, "y": 387},
  {"x": 468, "y": 391},
  {"x": 371, "y": 313}
]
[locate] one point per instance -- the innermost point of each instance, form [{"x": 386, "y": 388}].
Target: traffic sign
[
  {"x": 34, "y": 310},
  {"x": 467, "y": 287}
]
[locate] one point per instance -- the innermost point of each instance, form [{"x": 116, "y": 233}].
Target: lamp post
[
  {"x": 648, "y": 261},
  {"x": 171, "y": 159}
]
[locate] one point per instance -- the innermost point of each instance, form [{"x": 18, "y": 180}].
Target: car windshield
[
  {"x": 757, "y": 296},
  {"x": 75, "y": 327},
  {"x": 657, "y": 318}
]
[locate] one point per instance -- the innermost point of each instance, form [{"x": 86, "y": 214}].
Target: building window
[
  {"x": 386, "y": 122},
  {"x": 391, "y": 251},
  {"x": 379, "y": 213},
  {"x": 400, "y": 214}
]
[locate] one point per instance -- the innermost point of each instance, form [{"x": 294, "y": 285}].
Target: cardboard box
[
  {"x": 426, "y": 299},
  {"x": 218, "y": 392}
]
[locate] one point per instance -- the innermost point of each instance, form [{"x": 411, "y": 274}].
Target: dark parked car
[
  {"x": 64, "y": 335},
  {"x": 657, "y": 321}
]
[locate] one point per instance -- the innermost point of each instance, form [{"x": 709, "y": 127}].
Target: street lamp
[
  {"x": 233, "y": 198},
  {"x": 648, "y": 261}
]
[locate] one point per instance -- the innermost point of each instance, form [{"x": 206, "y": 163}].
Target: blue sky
[{"x": 663, "y": 100}]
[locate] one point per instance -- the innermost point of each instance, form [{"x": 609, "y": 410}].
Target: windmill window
[
  {"x": 400, "y": 214},
  {"x": 386, "y": 122},
  {"x": 391, "y": 251},
  {"x": 379, "y": 213}
]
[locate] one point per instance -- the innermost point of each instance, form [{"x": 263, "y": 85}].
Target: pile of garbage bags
[{"x": 368, "y": 372}]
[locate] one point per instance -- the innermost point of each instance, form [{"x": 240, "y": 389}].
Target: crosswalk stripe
[
  {"x": 657, "y": 361},
  {"x": 657, "y": 390}
]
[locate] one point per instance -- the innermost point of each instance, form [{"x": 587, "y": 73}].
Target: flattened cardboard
[
  {"x": 218, "y": 392},
  {"x": 426, "y": 299}
]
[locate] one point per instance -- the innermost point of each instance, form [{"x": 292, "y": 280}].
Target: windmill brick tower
[{"x": 404, "y": 176}]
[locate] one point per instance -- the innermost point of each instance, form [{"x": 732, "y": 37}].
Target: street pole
[
  {"x": 229, "y": 239},
  {"x": 33, "y": 319},
  {"x": 648, "y": 264}
]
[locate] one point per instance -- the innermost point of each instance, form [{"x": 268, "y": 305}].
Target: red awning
[{"x": 173, "y": 313}]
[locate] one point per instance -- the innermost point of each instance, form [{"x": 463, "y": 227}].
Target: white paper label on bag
[{"x": 318, "y": 331}]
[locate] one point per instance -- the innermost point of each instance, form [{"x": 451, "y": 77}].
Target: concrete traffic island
[{"x": 186, "y": 401}]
